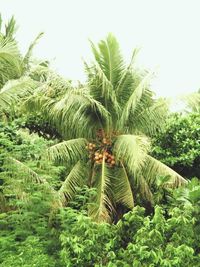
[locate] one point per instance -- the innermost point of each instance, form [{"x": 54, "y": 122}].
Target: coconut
[{"x": 104, "y": 141}]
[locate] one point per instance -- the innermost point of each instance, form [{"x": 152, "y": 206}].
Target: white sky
[{"x": 166, "y": 30}]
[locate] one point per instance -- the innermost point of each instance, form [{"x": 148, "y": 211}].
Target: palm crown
[{"x": 105, "y": 124}]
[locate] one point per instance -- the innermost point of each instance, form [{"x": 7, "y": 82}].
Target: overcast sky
[{"x": 167, "y": 32}]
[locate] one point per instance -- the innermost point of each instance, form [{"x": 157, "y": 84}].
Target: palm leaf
[
  {"x": 126, "y": 72},
  {"x": 30, "y": 49},
  {"x": 30, "y": 175},
  {"x": 11, "y": 66},
  {"x": 107, "y": 71},
  {"x": 10, "y": 28},
  {"x": 74, "y": 180},
  {"x": 102, "y": 89},
  {"x": 14, "y": 89},
  {"x": 78, "y": 114},
  {"x": 131, "y": 150},
  {"x": 102, "y": 207},
  {"x": 143, "y": 187},
  {"x": 135, "y": 99},
  {"x": 149, "y": 120},
  {"x": 109, "y": 58},
  {"x": 154, "y": 168},
  {"x": 192, "y": 101},
  {"x": 122, "y": 188},
  {"x": 69, "y": 151}
]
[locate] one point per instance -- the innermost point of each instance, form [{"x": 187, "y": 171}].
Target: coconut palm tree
[
  {"x": 192, "y": 101},
  {"x": 106, "y": 125},
  {"x": 14, "y": 68}
]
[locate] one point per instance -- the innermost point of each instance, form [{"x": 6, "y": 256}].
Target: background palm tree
[
  {"x": 192, "y": 101},
  {"x": 106, "y": 125},
  {"x": 14, "y": 68}
]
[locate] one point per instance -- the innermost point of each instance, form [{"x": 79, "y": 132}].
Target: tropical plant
[
  {"x": 192, "y": 101},
  {"x": 178, "y": 144},
  {"x": 105, "y": 124},
  {"x": 14, "y": 68}
]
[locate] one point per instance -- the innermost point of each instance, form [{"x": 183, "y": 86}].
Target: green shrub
[
  {"x": 178, "y": 145},
  {"x": 84, "y": 243},
  {"x": 28, "y": 253}
]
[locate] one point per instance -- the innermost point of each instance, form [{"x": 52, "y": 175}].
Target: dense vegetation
[
  {"x": 81, "y": 183},
  {"x": 178, "y": 145}
]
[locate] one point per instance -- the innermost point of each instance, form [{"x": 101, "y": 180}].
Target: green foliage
[
  {"x": 192, "y": 102},
  {"x": 167, "y": 238},
  {"x": 25, "y": 236},
  {"x": 31, "y": 235},
  {"x": 28, "y": 253},
  {"x": 36, "y": 229},
  {"x": 118, "y": 102},
  {"x": 15, "y": 82},
  {"x": 83, "y": 242},
  {"x": 22, "y": 163},
  {"x": 178, "y": 145}
]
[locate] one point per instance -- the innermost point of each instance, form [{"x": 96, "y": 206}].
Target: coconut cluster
[
  {"x": 109, "y": 158},
  {"x": 101, "y": 150}
]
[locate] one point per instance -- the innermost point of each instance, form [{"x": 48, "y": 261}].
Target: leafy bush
[
  {"x": 169, "y": 237},
  {"x": 28, "y": 253},
  {"x": 84, "y": 243},
  {"x": 178, "y": 145},
  {"x": 156, "y": 241}
]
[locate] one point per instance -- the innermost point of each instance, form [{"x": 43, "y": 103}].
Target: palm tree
[
  {"x": 106, "y": 125},
  {"x": 14, "y": 68},
  {"x": 192, "y": 101}
]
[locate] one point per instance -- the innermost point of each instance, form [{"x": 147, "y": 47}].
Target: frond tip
[
  {"x": 154, "y": 168},
  {"x": 74, "y": 180}
]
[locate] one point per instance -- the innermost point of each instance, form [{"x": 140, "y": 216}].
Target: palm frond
[
  {"x": 13, "y": 90},
  {"x": 101, "y": 208},
  {"x": 30, "y": 49},
  {"x": 154, "y": 168},
  {"x": 103, "y": 90},
  {"x": 126, "y": 71},
  {"x": 122, "y": 188},
  {"x": 27, "y": 176},
  {"x": 143, "y": 187},
  {"x": 149, "y": 120},
  {"x": 10, "y": 28},
  {"x": 109, "y": 58},
  {"x": 11, "y": 66},
  {"x": 131, "y": 150},
  {"x": 73, "y": 181},
  {"x": 78, "y": 114},
  {"x": 135, "y": 99},
  {"x": 69, "y": 151},
  {"x": 1, "y": 21},
  {"x": 192, "y": 101},
  {"x": 30, "y": 175},
  {"x": 106, "y": 73}
]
